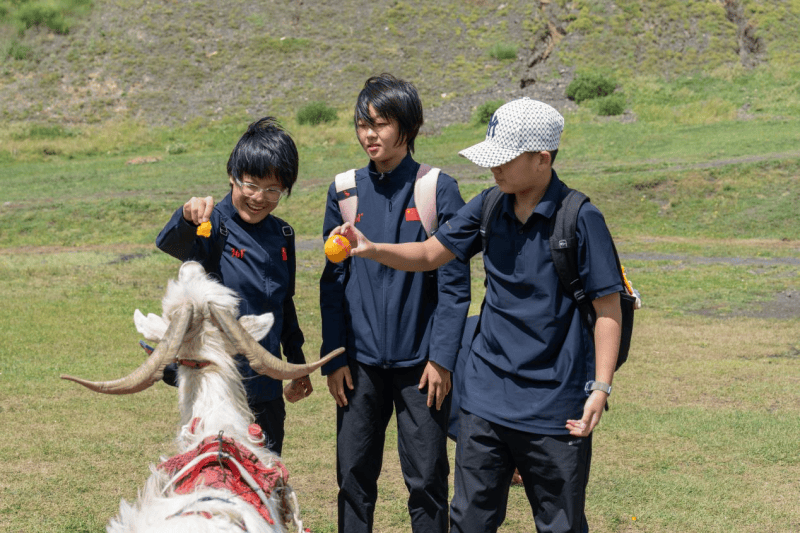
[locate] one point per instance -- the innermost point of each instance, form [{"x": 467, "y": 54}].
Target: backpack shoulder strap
[
  {"x": 288, "y": 234},
  {"x": 564, "y": 250},
  {"x": 217, "y": 249},
  {"x": 346, "y": 195},
  {"x": 488, "y": 209},
  {"x": 425, "y": 197}
]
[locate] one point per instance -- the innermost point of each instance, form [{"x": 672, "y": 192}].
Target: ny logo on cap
[{"x": 492, "y": 126}]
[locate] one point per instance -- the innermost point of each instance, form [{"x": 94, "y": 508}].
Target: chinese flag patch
[
  {"x": 412, "y": 214},
  {"x": 283, "y": 254}
]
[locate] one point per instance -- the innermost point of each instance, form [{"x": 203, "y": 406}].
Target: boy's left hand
[
  {"x": 298, "y": 389},
  {"x": 437, "y": 379},
  {"x": 592, "y": 411}
]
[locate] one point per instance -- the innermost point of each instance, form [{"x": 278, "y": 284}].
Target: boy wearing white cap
[{"x": 536, "y": 379}]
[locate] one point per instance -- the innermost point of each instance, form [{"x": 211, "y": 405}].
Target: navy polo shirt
[{"x": 528, "y": 365}]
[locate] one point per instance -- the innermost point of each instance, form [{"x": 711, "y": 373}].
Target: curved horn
[
  {"x": 260, "y": 359},
  {"x": 151, "y": 370}
]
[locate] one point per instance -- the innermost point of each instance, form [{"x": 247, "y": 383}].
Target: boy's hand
[
  {"x": 336, "y": 383},
  {"x": 198, "y": 210},
  {"x": 437, "y": 379},
  {"x": 360, "y": 246},
  {"x": 592, "y": 411},
  {"x": 298, "y": 389}
]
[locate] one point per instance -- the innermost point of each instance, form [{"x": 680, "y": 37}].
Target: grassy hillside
[{"x": 169, "y": 61}]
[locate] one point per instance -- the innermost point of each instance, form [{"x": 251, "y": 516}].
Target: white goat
[{"x": 223, "y": 478}]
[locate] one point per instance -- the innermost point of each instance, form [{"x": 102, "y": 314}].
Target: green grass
[{"x": 707, "y": 398}]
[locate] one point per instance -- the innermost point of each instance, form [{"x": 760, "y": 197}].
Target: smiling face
[
  {"x": 381, "y": 141},
  {"x": 253, "y": 209}
]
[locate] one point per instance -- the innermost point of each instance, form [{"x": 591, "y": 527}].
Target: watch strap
[{"x": 597, "y": 385}]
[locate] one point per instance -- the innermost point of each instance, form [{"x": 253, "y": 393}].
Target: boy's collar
[
  {"x": 404, "y": 164},
  {"x": 546, "y": 205}
]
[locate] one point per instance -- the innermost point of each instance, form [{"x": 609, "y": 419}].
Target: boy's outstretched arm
[{"x": 407, "y": 256}]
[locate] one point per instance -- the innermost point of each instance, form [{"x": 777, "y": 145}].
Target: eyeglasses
[{"x": 251, "y": 189}]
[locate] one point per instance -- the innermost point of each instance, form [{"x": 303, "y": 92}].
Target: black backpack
[{"x": 564, "y": 249}]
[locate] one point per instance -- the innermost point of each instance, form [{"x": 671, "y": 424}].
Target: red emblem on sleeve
[{"x": 284, "y": 256}]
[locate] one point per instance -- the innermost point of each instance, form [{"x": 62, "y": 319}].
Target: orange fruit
[
  {"x": 336, "y": 248},
  {"x": 204, "y": 229}
]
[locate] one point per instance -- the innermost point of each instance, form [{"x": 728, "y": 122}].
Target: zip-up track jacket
[{"x": 386, "y": 317}]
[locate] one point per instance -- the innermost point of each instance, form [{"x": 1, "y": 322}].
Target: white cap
[{"x": 522, "y": 125}]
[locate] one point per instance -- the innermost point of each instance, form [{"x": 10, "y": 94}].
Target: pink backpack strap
[
  {"x": 425, "y": 197},
  {"x": 346, "y": 195}
]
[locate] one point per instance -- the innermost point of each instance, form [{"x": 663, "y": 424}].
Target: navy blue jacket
[
  {"x": 528, "y": 365},
  {"x": 254, "y": 261},
  {"x": 385, "y": 317}
]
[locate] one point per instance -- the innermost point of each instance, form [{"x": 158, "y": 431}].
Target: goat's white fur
[{"x": 213, "y": 394}]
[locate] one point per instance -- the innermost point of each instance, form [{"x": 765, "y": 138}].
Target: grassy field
[{"x": 704, "y": 430}]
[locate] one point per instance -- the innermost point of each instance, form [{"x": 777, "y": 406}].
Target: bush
[
  {"x": 176, "y": 148},
  {"x": 48, "y": 16},
  {"x": 503, "y": 51},
  {"x": 17, "y": 50},
  {"x": 316, "y": 113},
  {"x": 588, "y": 86},
  {"x": 611, "y": 105},
  {"x": 485, "y": 111}
]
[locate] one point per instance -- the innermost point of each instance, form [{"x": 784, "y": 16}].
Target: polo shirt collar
[
  {"x": 546, "y": 206},
  {"x": 552, "y": 196}
]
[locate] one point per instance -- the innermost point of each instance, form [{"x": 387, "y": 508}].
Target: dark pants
[
  {"x": 271, "y": 416},
  {"x": 421, "y": 445},
  {"x": 554, "y": 469}
]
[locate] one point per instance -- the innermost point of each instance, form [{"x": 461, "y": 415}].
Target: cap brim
[{"x": 487, "y": 154}]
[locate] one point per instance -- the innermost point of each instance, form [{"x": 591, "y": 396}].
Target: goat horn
[
  {"x": 152, "y": 369},
  {"x": 260, "y": 359}
]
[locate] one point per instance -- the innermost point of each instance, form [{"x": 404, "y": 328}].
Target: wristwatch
[{"x": 597, "y": 385}]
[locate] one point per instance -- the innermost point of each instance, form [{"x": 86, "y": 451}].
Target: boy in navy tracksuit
[
  {"x": 252, "y": 252},
  {"x": 536, "y": 380},
  {"x": 401, "y": 330}
]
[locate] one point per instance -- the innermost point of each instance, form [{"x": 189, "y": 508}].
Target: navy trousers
[
  {"x": 421, "y": 445},
  {"x": 554, "y": 469}
]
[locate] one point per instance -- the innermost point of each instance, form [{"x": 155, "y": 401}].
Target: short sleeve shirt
[{"x": 532, "y": 357}]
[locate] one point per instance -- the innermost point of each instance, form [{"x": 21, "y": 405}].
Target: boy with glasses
[{"x": 252, "y": 252}]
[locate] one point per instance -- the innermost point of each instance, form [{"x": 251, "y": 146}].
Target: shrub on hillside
[
  {"x": 17, "y": 50},
  {"x": 611, "y": 105},
  {"x": 503, "y": 51},
  {"x": 316, "y": 113},
  {"x": 485, "y": 111},
  {"x": 588, "y": 86},
  {"x": 56, "y": 15}
]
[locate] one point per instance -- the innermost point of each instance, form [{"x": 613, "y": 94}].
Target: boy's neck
[
  {"x": 388, "y": 165},
  {"x": 526, "y": 201}
]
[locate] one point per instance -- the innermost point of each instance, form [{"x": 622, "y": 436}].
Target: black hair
[
  {"x": 553, "y": 154},
  {"x": 393, "y": 99},
  {"x": 265, "y": 150}
]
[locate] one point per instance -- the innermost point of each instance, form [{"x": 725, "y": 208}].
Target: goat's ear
[
  {"x": 152, "y": 327},
  {"x": 257, "y": 325}
]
